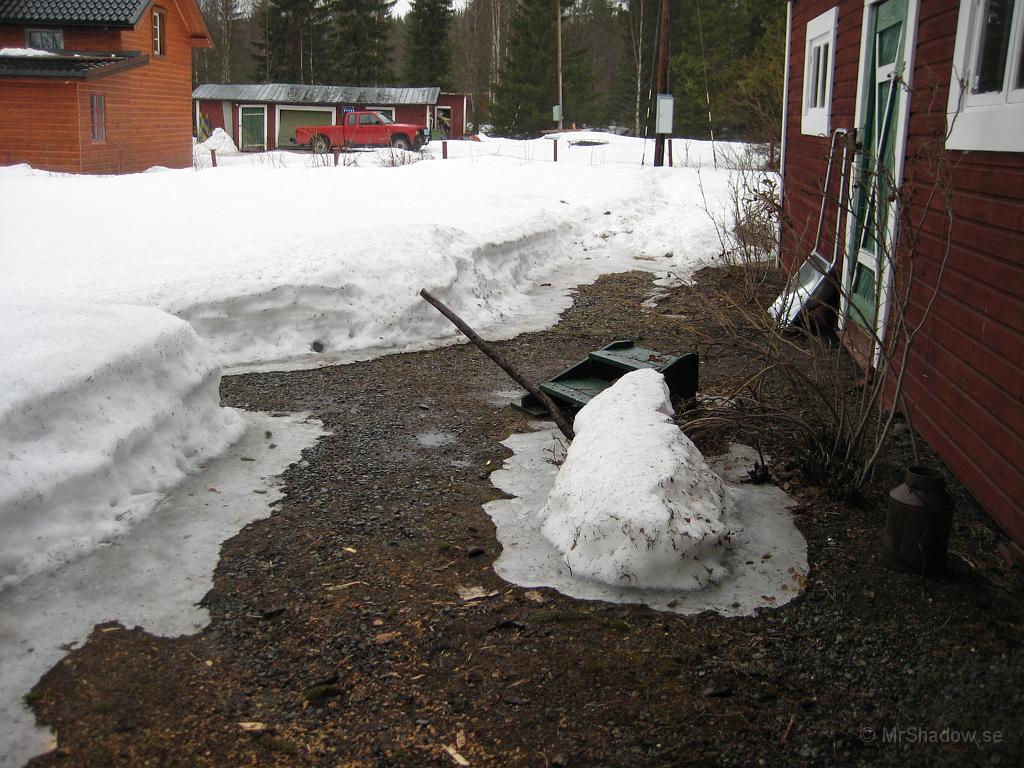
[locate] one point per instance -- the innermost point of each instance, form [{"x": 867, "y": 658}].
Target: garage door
[{"x": 293, "y": 118}]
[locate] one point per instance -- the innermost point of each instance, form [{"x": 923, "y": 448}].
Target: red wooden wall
[
  {"x": 148, "y": 108},
  {"x": 965, "y": 374}
]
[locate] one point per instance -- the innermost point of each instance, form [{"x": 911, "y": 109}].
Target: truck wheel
[
  {"x": 400, "y": 142},
  {"x": 320, "y": 144}
]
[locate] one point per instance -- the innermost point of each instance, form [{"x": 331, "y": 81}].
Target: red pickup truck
[{"x": 362, "y": 129}]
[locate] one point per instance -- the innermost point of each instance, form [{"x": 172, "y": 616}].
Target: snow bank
[
  {"x": 102, "y": 409},
  {"x": 220, "y": 141},
  {"x": 634, "y": 501},
  {"x": 270, "y": 263}
]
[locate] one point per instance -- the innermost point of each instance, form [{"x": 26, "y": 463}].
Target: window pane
[
  {"x": 46, "y": 39},
  {"x": 812, "y": 99},
  {"x": 888, "y": 44},
  {"x": 1020, "y": 64},
  {"x": 990, "y": 66},
  {"x": 823, "y": 78}
]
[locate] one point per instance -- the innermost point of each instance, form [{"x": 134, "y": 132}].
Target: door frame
[
  {"x": 277, "y": 117},
  {"x": 252, "y": 106},
  {"x": 902, "y": 114},
  {"x": 451, "y": 118}
]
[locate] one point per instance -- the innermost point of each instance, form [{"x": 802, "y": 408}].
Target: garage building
[{"x": 264, "y": 116}]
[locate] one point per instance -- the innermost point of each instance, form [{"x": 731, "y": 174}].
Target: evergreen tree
[
  {"x": 428, "y": 50},
  {"x": 289, "y": 43},
  {"x": 736, "y": 45},
  {"x": 528, "y": 88},
  {"x": 358, "y": 42}
]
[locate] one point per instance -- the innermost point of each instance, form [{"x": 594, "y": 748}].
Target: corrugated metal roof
[
  {"x": 108, "y": 13},
  {"x": 277, "y": 93}
]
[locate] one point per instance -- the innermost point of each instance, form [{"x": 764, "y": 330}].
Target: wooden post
[
  {"x": 444, "y": 150},
  {"x": 520, "y": 378},
  {"x": 337, "y": 152},
  {"x": 670, "y": 153},
  {"x": 555, "y": 144},
  {"x": 213, "y": 157}
]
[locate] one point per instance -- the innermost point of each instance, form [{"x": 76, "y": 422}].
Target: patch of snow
[
  {"x": 103, "y": 409},
  {"x": 26, "y": 52},
  {"x": 634, "y": 502},
  {"x": 152, "y": 577},
  {"x": 761, "y": 564}
]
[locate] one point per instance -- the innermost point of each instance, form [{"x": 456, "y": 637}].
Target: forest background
[{"x": 726, "y": 57}]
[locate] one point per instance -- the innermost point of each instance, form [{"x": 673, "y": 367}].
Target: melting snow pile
[
  {"x": 635, "y": 515},
  {"x": 102, "y": 410},
  {"x": 220, "y": 141},
  {"x": 635, "y": 503}
]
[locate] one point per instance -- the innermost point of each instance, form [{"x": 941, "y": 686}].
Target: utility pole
[
  {"x": 558, "y": 27},
  {"x": 659, "y": 138}
]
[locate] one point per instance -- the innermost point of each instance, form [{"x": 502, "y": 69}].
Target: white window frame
[
  {"x": 159, "y": 31},
  {"x": 992, "y": 122},
  {"x": 816, "y": 104}
]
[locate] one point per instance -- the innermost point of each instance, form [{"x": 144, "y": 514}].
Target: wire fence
[
  {"x": 581, "y": 149},
  {"x": 576, "y": 148}
]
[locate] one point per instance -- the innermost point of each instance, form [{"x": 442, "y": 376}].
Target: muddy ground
[{"x": 337, "y": 627}]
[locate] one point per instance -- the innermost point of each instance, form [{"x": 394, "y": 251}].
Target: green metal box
[{"x": 574, "y": 387}]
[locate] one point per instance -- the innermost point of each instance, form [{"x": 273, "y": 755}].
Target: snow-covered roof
[{"x": 283, "y": 93}]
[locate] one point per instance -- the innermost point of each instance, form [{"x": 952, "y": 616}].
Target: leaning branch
[{"x": 521, "y": 379}]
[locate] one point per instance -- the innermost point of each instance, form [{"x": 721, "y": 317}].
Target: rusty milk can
[{"x": 918, "y": 522}]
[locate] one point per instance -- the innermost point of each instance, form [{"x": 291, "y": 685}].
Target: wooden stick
[{"x": 520, "y": 378}]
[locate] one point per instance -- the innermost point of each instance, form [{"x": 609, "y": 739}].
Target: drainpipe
[{"x": 785, "y": 117}]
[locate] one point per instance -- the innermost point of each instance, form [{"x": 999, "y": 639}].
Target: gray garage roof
[
  {"x": 105, "y": 13},
  {"x": 276, "y": 93}
]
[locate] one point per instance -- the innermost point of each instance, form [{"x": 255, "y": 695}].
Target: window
[
  {"x": 159, "y": 32},
  {"x": 368, "y": 118},
  {"x": 350, "y": 118},
  {"x": 98, "y": 117},
  {"x": 45, "y": 39},
  {"x": 386, "y": 112},
  {"x": 986, "y": 89},
  {"x": 819, "y": 57}
]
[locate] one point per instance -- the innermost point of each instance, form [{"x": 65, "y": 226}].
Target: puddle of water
[
  {"x": 435, "y": 439},
  {"x": 505, "y": 396}
]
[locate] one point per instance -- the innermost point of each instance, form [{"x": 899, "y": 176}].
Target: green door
[
  {"x": 874, "y": 204},
  {"x": 290, "y": 119},
  {"x": 253, "y": 133}
]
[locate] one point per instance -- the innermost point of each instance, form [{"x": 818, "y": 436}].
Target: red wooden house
[
  {"x": 263, "y": 116},
  {"x": 935, "y": 92},
  {"x": 98, "y": 86}
]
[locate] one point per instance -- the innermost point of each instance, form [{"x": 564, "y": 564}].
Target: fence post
[
  {"x": 670, "y": 153},
  {"x": 337, "y": 153},
  {"x": 555, "y": 144},
  {"x": 213, "y": 157},
  {"x": 444, "y": 150}
]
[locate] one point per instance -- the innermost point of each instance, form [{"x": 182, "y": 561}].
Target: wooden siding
[
  {"x": 42, "y": 129},
  {"x": 148, "y": 108},
  {"x": 964, "y": 385}
]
